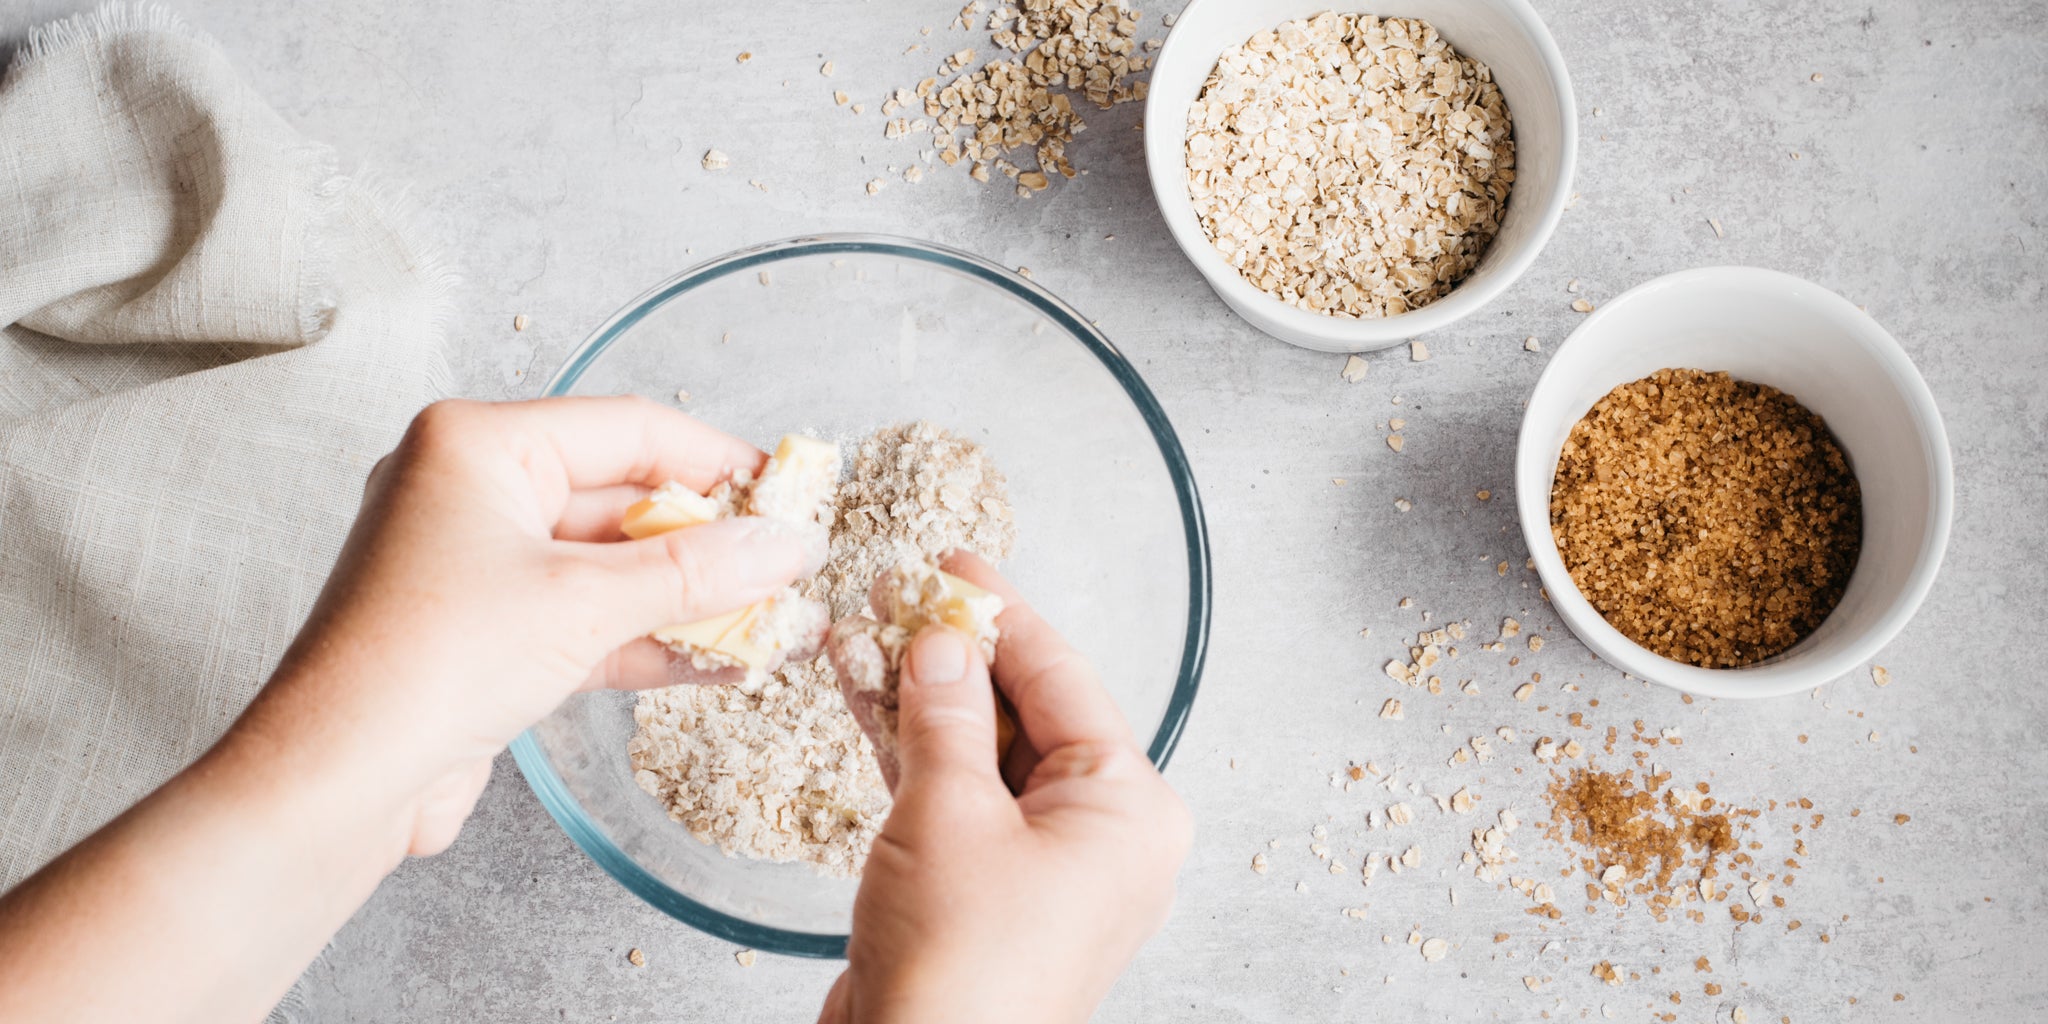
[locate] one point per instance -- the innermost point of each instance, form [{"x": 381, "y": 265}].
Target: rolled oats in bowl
[{"x": 1350, "y": 165}]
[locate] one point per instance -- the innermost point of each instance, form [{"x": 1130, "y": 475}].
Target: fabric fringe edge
[
  {"x": 99, "y": 23},
  {"x": 393, "y": 201}
]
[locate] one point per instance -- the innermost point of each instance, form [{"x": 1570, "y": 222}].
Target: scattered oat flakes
[
  {"x": 1399, "y": 814},
  {"x": 745, "y": 56},
  {"x": 1535, "y": 642},
  {"x": 1523, "y": 692},
  {"x": 1395, "y": 442},
  {"x": 682, "y": 395},
  {"x": 519, "y": 322},
  {"x": 1435, "y": 949},
  {"x": 1259, "y": 863},
  {"x": 1581, "y": 306},
  {"x": 716, "y": 160},
  {"x": 827, "y": 69},
  {"x": 1058, "y": 49},
  {"x": 746, "y": 957},
  {"x": 1816, "y": 77},
  {"x": 875, "y": 186},
  {"x": 1402, "y": 504},
  {"x": 1530, "y": 344},
  {"x": 1417, "y": 351},
  {"x": 1716, "y": 225},
  {"x": 1354, "y": 369},
  {"x": 1530, "y": 982},
  {"x": 635, "y": 957},
  {"x": 1880, "y": 675},
  {"x": 1463, "y": 801},
  {"x": 1391, "y": 709}
]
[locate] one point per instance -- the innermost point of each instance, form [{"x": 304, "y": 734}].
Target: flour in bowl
[{"x": 783, "y": 773}]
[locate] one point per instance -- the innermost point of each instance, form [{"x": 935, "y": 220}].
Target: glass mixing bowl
[{"x": 839, "y": 335}]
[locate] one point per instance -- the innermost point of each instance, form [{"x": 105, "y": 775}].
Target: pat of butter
[
  {"x": 671, "y": 507},
  {"x": 798, "y": 482},
  {"x": 917, "y": 595},
  {"x": 729, "y": 636}
]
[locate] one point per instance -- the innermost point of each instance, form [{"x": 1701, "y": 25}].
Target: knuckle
[
  {"x": 443, "y": 417},
  {"x": 441, "y": 428},
  {"x": 930, "y": 726}
]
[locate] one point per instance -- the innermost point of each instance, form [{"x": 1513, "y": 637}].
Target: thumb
[
  {"x": 946, "y": 719},
  {"x": 690, "y": 575}
]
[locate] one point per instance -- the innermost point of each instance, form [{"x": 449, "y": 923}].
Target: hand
[
  {"x": 984, "y": 906},
  {"x": 481, "y": 585}
]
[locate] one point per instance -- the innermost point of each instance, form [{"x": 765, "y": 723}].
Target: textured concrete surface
[{"x": 554, "y": 147}]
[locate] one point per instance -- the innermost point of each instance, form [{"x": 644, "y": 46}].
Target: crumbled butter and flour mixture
[{"x": 781, "y": 771}]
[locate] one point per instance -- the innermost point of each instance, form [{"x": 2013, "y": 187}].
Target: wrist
[{"x": 322, "y": 768}]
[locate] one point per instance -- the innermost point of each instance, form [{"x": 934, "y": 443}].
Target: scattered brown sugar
[
  {"x": 1712, "y": 520},
  {"x": 1629, "y": 834}
]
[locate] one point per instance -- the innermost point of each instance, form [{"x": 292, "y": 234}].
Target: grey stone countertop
[{"x": 554, "y": 148}]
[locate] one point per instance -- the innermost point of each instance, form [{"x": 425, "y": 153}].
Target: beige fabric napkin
[{"x": 210, "y": 336}]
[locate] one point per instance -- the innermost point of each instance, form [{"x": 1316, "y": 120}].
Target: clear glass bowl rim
[{"x": 540, "y": 773}]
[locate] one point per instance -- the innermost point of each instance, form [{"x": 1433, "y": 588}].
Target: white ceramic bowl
[
  {"x": 1775, "y": 329},
  {"x": 1505, "y": 35}
]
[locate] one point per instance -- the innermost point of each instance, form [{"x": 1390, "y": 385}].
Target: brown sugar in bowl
[{"x": 1781, "y": 332}]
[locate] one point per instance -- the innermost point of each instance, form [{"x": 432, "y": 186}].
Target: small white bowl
[
  {"x": 1775, "y": 329},
  {"x": 1505, "y": 35}
]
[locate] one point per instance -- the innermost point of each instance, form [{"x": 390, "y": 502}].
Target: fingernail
[
  {"x": 817, "y": 541},
  {"x": 939, "y": 657}
]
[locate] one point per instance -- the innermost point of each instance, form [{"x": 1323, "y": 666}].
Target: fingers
[
  {"x": 862, "y": 668},
  {"x": 629, "y": 440},
  {"x": 566, "y": 445},
  {"x": 636, "y": 587},
  {"x": 593, "y": 516},
  {"x": 946, "y": 721},
  {"x": 1058, "y": 697},
  {"x": 644, "y": 664}
]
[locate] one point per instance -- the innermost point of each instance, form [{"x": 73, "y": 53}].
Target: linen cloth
[{"x": 210, "y": 337}]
